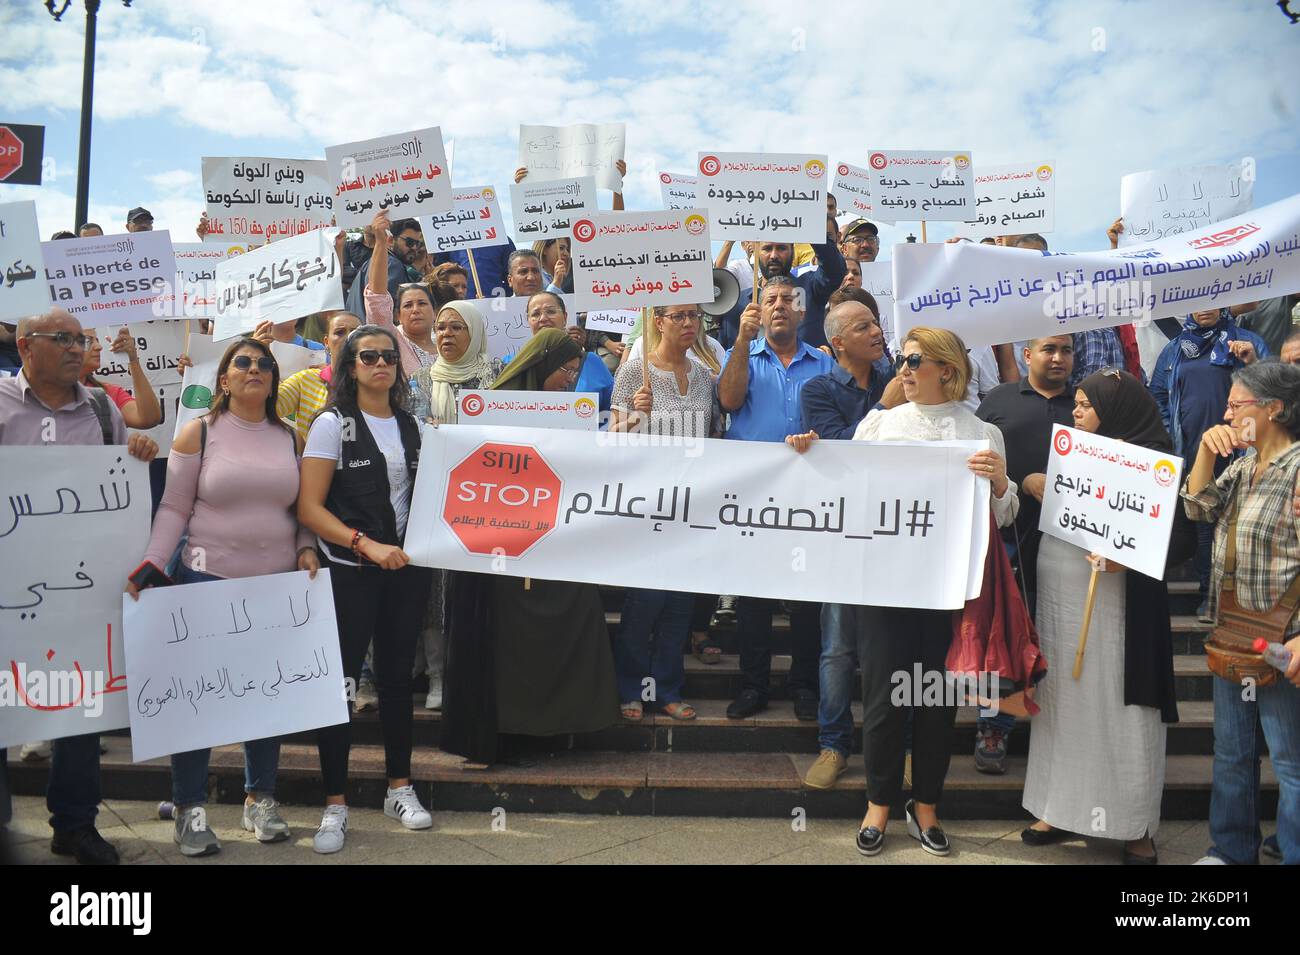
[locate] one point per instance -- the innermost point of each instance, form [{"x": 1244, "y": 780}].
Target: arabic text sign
[
  {"x": 885, "y": 524},
  {"x": 196, "y": 276},
  {"x": 264, "y": 199},
  {"x": 678, "y": 191},
  {"x": 406, "y": 174},
  {"x": 280, "y": 282},
  {"x": 937, "y": 185},
  {"x": 547, "y": 210},
  {"x": 1012, "y": 200},
  {"x": 616, "y": 321},
  {"x": 852, "y": 189},
  {"x": 22, "y": 291},
  {"x": 159, "y": 346},
  {"x": 112, "y": 279},
  {"x": 76, "y": 520},
  {"x": 627, "y": 259},
  {"x": 473, "y": 222},
  {"x": 878, "y": 279},
  {"x": 1111, "y": 498},
  {"x": 780, "y": 197},
  {"x": 561, "y": 152},
  {"x": 988, "y": 295},
  {"x": 578, "y": 411},
  {"x": 507, "y": 322},
  {"x": 232, "y": 660},
  {"x": 1166, "y": 202}
]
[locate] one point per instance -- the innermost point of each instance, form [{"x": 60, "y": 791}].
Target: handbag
[{"x": 1230, "y": 650}]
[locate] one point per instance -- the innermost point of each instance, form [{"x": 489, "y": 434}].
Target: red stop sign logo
[
  {"x": 502, "y": 499},
  {"x": 11, "y": 152}
]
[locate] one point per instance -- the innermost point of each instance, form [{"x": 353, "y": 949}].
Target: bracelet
[{"x": 356, "y": 541}]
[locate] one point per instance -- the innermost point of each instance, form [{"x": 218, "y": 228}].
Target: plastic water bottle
[{"x": 1275, "y": 654}]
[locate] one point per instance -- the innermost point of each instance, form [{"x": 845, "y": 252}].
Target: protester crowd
[{"x": 269, "y": 480}]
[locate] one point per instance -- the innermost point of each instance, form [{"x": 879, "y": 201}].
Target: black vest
[{"x": 359, "y": 493}]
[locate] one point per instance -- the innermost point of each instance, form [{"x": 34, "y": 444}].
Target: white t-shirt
[{"x": 325, "y": 440}]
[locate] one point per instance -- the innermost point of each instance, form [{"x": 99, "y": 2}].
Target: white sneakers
[
  {"x": 403, "y": 805},
  {"x": 333, "y": 830}
]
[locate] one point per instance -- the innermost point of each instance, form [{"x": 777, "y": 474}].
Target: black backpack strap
[
  {"x": 99, "y": 400},
  {"x": 203, "y": 438}
]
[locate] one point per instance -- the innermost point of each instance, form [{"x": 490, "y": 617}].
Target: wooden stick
[
  {"x": 1087, "y": 620},
  {"x": 755, "y": 298},
  {"x": 473, "y": 270},
  {"x": 923, "y": 238},
  {"x": 528, "y": 583},
  {"x": 186, "y": 348}
]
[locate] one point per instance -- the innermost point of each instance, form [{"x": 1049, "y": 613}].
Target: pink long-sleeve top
[
  {"x": 379, "y": 311},
  {"x": 238, "y": 500}
]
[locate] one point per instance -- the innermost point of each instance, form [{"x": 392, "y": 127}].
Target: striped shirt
[
  {"x": 300, "y": 398},
  {"x": 1268, "y": 532}
]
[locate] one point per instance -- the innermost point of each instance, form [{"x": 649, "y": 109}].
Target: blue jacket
[
  {"x": 490, "y": 261},
  {"x": 1189, "y": 412}
]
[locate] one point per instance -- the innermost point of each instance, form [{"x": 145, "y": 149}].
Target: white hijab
[{"x": 475, "y": 364}]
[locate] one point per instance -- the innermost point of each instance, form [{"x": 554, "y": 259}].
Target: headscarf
[
  {"x": 474, "y": 365},
  {"x": 545, "y": 352},
  {"x": 1194, "y": 340},
  {"x": 1126, "y": 409}
]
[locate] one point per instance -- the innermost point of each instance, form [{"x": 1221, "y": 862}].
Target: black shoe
[
  {"x": 1131, "y": 858},
  {"x": 746, "y": 705},
  {"x": 805, "y": 705},
  {"x": 932, "y": 840},
  {"x": 870, "y": 841},
  {"x": 1039, "y": 837},
  {"x": 86, "y": 844}
]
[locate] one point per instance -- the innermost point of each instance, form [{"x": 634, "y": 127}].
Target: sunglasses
[
  {"x": 912, "y": 361},
  {"x": 413, "y": 243},
  {"x": 245, "y": 362},
  {"x": 371, "y": 356}
]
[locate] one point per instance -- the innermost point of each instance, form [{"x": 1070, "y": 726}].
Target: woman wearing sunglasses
[
  {"x": 357, "y": 473},
  {"x": 232, "y": 482},
  {"x": 934, "y": 371}
]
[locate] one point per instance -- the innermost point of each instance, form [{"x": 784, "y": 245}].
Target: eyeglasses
[
  {"x": 64, "y": 340},
  {"x": 570, "y": 373},
  {"x": 1236, "y": 406},
  {"x": 455, "y": 328},
  {"x": 371, "y": 356},
  {"x": 682, "y": 317},
  {"x": 552, "y": 311},
  {"x": 860, "y": 240},
  {"x": 912, "y": 361},
  {"x": 245, "y": 362}
]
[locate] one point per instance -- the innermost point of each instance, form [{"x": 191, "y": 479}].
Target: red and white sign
[
  {"x": 578, "y": 410},
  {"x": 780, "y": 197},
  {"x": 641, "y": 259},
  {"x": 502, "y": 499},
  {"x": 11, "y": 153},
  {"x": 929, "y": 184}
]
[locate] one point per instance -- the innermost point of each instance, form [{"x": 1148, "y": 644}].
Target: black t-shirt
[{"x": 1026, "y": 419}]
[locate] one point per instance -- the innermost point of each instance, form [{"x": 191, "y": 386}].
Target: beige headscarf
[{"x": 474, "y": 365}]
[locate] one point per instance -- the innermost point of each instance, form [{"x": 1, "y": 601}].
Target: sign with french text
[
  {"x": 937, "y": 185},
  {"x": 259, "y": 200},
  {"x": 112, "y": 279},
  {"x": 640, "y": 259},
  {"x": 778, "y": 197},
  {"x": 406, "y": 174}
]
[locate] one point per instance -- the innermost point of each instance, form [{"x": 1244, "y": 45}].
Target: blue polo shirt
[
  {"x": 771, "y": 410},
  {"x": 833, "y": 405}
]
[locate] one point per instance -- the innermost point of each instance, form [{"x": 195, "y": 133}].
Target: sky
[{"x": 1100, "y": 89}]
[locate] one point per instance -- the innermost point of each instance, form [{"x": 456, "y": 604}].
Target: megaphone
[{"x": 726, "y": 293}]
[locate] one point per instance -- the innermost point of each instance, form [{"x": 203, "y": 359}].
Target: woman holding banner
[
  {"x": 232, "y": 483},
  {"x": 934, "y": 371},
  {"x": 526, "y": 657},
  {"x": 1097, "y": 750},
  {"x": 357, "y": 473}
]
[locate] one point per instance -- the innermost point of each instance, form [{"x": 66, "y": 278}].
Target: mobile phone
[{"x": 148, "y": 575}]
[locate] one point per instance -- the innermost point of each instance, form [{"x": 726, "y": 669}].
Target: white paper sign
[
  {"x": 160, "y": 346},
  {"x": 640, "y": 259},
  {"x": 1013, "y": 200},
  {"x": 23, "y": 291},
  {"x": 258, "y": 199},
  {"x": 1158, "y": 203},
  {"x": 852, "y": 189},
  {"x": 474, "y": 221},
  {"x": 936, "y": 185},
  {"x": 228, "y": 661},
  {"x": 573, "y": 410},
  {"x": 780, "y": 197},
  {"x": 878, "y": 279},
  {"x": 547, "y": 210},
  {"x": 199, "y": 385},
  {"x": 678, "y": 191},
  {"x": 406, "y": 174},
  {"x": 561, "y": 152},
  {"x": 280, "y": 282},
  {"x": 1111, "y": 498},
  {"x": 112, "y": 279},
  {"x": 507, "y": 322},
  {"x": 77, "y": 521},
  {"x": 196, "y": 276},
  {"x": 618, "y": 321},
  {"x": 883, "y": 524}
]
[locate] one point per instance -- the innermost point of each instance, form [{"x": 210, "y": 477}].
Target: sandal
[
  {"x": 706, "y": 650},
  {"x": 679, "y": 711},
  {"x": 631, "y": 711}
]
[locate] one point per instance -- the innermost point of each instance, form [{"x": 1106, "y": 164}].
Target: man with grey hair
[
  {"x": 1290, "y": 353},
  {"x": 524, "y": 273}
]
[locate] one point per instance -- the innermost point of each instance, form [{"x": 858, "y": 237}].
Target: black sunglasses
[
  {"x": 371, "y": 356},
  {"x": 912, "y": 361},
  {"x": 245, "y": 362}
]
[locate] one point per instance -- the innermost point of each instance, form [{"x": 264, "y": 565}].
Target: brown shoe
[{"x": 829, "y": 767}]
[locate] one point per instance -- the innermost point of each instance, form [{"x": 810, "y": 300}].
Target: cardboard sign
[
  {"x": 23, "y": 290},
  {"x": 780, "y": 197},
  {"x": 281, "y": 282},
  {"x": 561, "y": 152},
  {"x": 113, "y": 279},
  {"x": 678, "y": 191},
  {"x": 258, "y": 200},
  {"x": 547, "y": 210},
  {"x": 1158, "y": 203},
  {"x": 934, "y": 185},
  {"x": 474, "y": 222},
  {"x": 640, "y": 259},
  {"x": 1013, "y": 200},
  {"x": 852, "y": 189},
  {"x": 406, "y": 174}
]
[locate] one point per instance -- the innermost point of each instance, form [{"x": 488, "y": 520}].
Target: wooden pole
[
  {"x": 755, "y": 298},
  {"x": 1087, "y": 620},
  {"x": 473, "y": 270},
  {"x": 923, "y": 238}
]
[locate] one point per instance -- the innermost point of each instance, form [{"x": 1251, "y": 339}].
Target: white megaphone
[{"x": 726, "y": 293}]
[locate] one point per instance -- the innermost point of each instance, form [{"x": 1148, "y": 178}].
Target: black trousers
[
  {"x": 390, "y": 606},
  {"x": 892, "y": 641},
  {"x": 754, "y": 632}
]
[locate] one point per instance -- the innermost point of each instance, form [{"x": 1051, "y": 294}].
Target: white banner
[
  {"x": 850, "y": 521},
  {"x": 878, "y": 279},
  {"x": 1111, "y": 498},
  {"x": 560, "y": 152},
  {"x": 778, "y": 197},
  {"x": 258, "y": 200},
  {"x": 507, "y": 323},
  {"x": 196, "y": 276},
  {"x": 281, "y": 282},
  {"x": 548, "y": 209},
  {"x": 199, "y": 385},
  {"x": 1012, "y": 200},
  {"x": 77, "y": 518},
  {"x": 160, "y": 346},
  {"x": 989, "y": 295},
  {"x": 474, "y": 222},
  {"x": 1166, "y": 202},
  {"x": 406, "y": 174},
  {"x": 618, "y": 321},
  {"x": 574, "y": 410},
  {"x": 852, "y": 189},
  {"x": 936, "y": 185},
  {"x": 112, "y": 279},
  {"x": 228, "y": 661},
  {"x": 678, "y": 191},
  {"x": 22, "y": 289},
  {"x": 640, "y": 259}
]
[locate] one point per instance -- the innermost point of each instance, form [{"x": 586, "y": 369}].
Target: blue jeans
[
  {"x": 190, "y": 770},
  {"x": 1234, "y": 798},
  {"x": 1204, "y": 555},
  {"x": 72, "y": 795},
  {"x": 651, "y": 639},
  {"x": 835, "y": 677}
]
